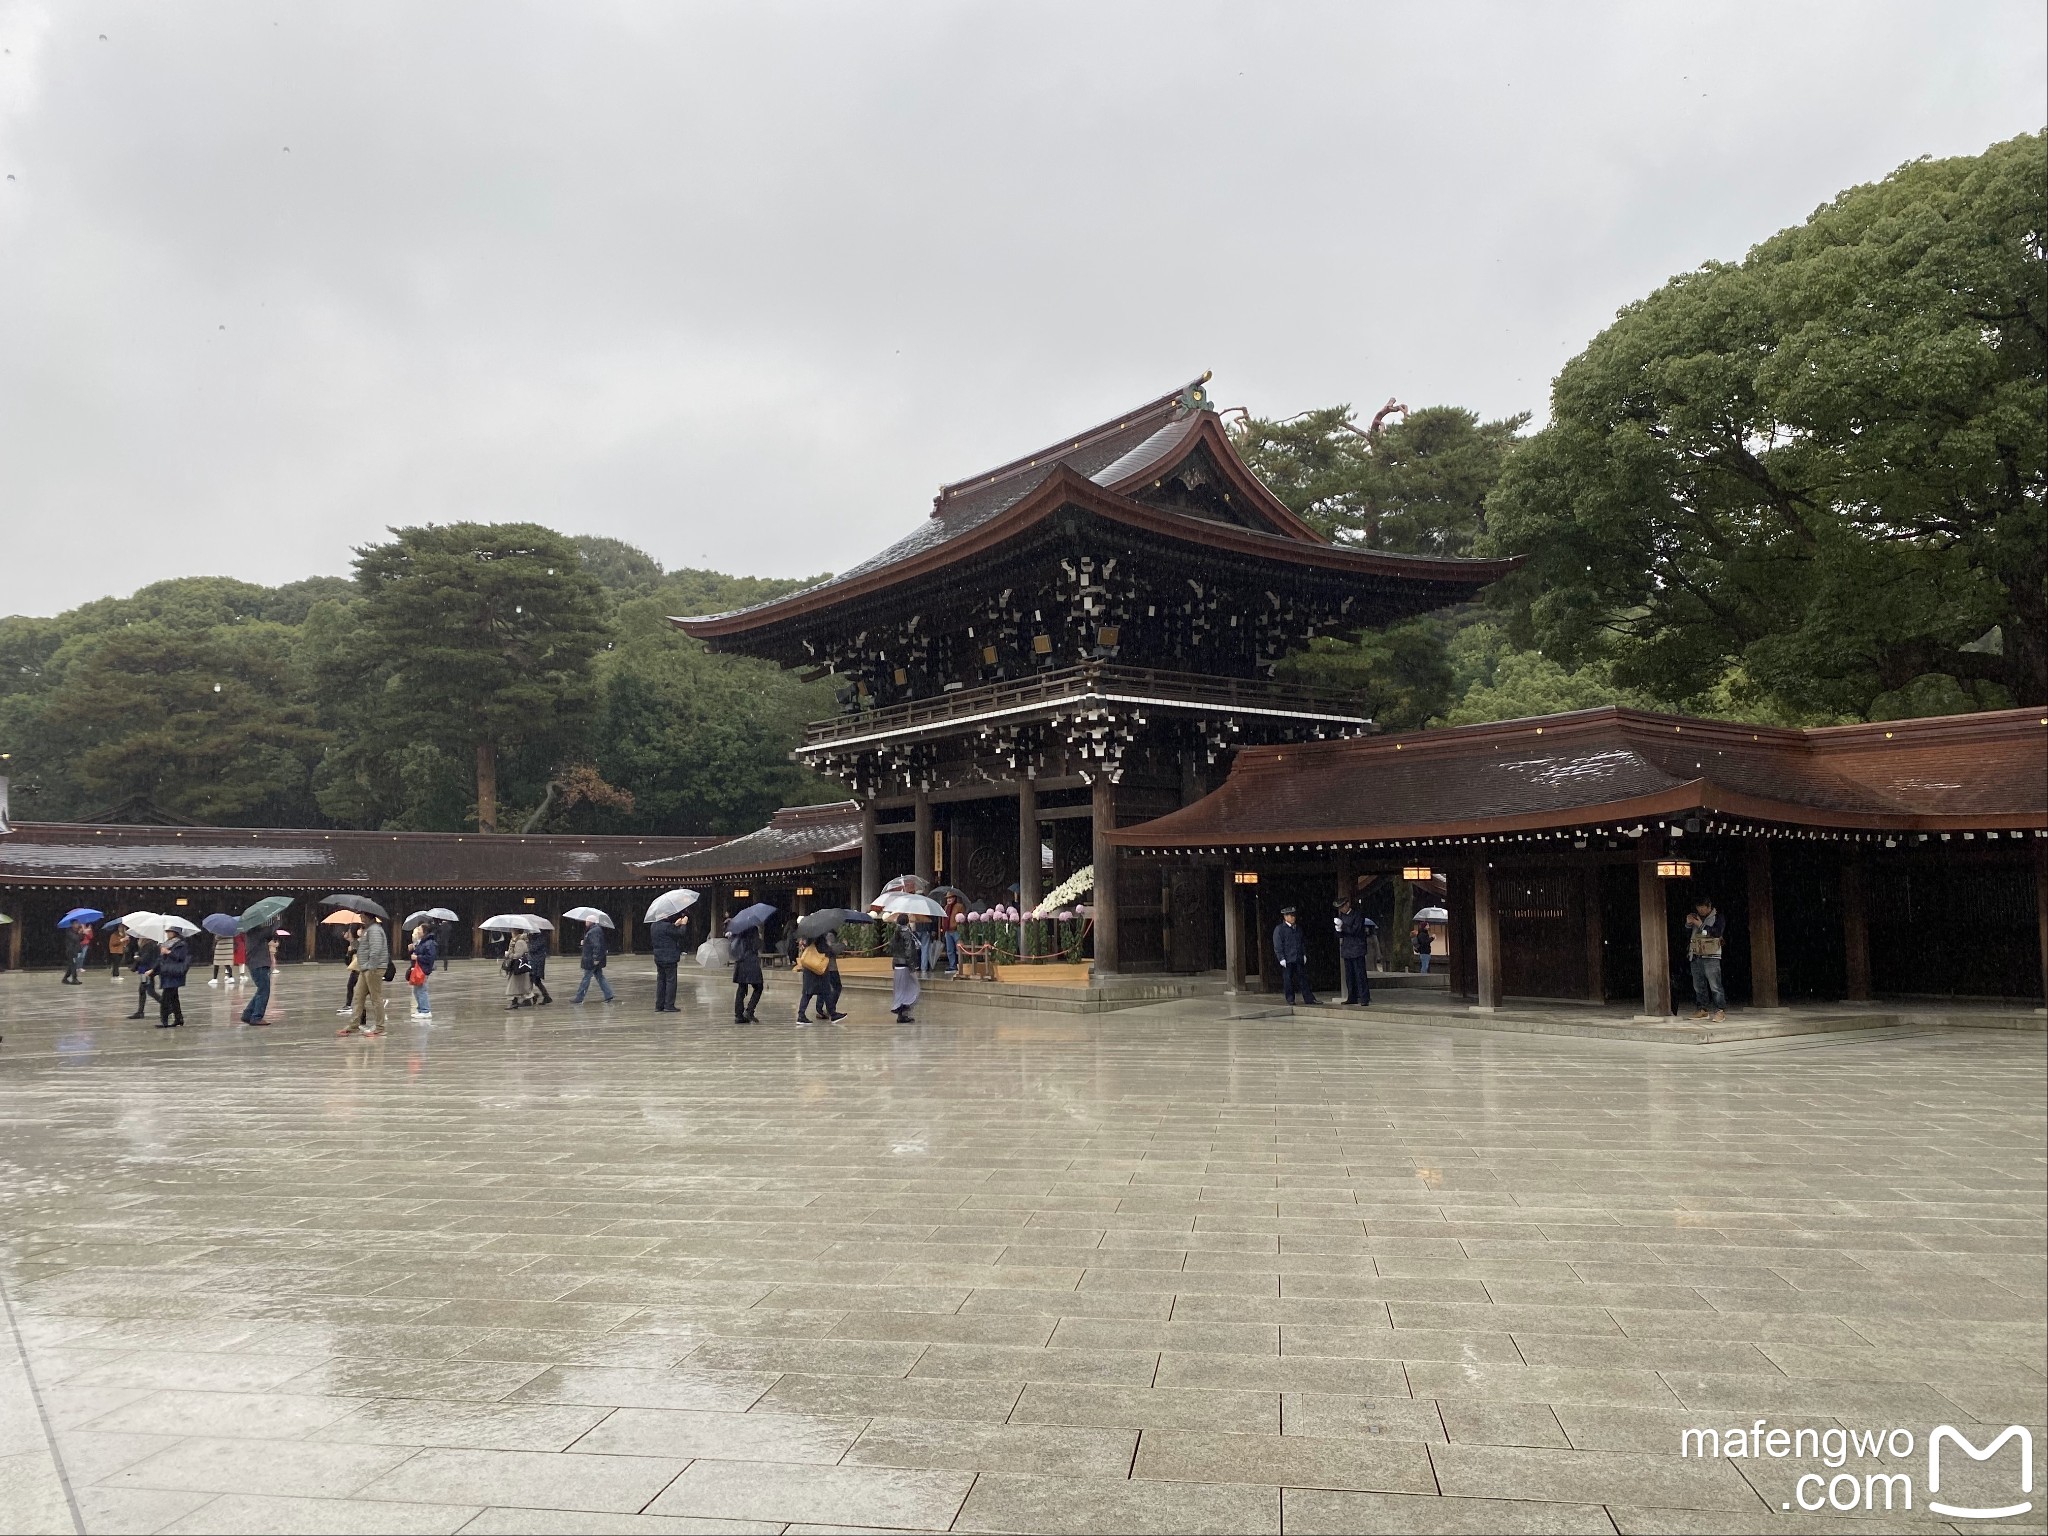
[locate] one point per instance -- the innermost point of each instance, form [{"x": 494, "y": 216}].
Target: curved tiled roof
[
  {"x": 799, "y": 837},
  {"x": 63, "y": 853},
  {"x": 1608, "y": 765}
]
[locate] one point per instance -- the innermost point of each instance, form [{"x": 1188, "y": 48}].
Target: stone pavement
[{"x": 583, "y": 1269}]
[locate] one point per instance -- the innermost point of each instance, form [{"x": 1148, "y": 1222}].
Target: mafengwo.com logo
[{"x": 1871, "y": 1470}]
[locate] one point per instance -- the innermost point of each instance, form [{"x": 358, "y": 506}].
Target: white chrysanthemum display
[{"x": 1078, "y": 883}]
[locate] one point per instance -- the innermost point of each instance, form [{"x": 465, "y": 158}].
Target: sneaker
[
  {"x": 346, "y": 1029},
  {"x": 416, "y": 1017},
  {"x": 1701, "y": 1014},
  {"x": 342, "y": 1013},
  {"x": 1719, "y": 1015},
  {"x": 215, "y": 982}
]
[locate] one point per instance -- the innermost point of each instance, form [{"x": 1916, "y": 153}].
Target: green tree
[
  {"x": 1417, "y": 486},
  {"x": 1812, "y": 484},
  {"x": 479, "y": 638}
]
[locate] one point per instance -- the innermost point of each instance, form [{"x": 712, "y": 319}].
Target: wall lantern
[
  {"x": 1245, "y": 877},
  {"x": 740, "y": 893},
  {"x": 1675, "y": 869},
  {"x": 184, "y": 901},
  {"x": 988, "y": 655},
  {"x": 1107, "y": 636},
  {"x": 805, "y": 890},
  {"x": 529, "y": 901},
  {"x": 1041, "y": 645},
  {"x": 901, "y": 677},
  {"x": 1417, "y": 872}
]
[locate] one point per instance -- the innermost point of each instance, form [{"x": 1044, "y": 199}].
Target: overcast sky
[{"x": 743, "y": 284}]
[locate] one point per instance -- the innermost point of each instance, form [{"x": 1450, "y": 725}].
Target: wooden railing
[{"x": 1077, "y": 683}]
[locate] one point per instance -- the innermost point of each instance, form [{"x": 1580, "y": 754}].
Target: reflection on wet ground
[{"x": 587, "y": 1269}]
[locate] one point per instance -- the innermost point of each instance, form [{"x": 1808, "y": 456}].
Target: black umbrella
[
  {"x": 816, "y": 924},
  {"x": 361, "y": 904}
]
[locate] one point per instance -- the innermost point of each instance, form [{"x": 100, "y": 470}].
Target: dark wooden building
[
  {"x": 1072, "y": 642},
  {"x": 47, "y": 868},
  {"x": 1901, "y": 859}
]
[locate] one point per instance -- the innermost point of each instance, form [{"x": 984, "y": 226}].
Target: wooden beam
[
  {"x": 1029, "y": 847},
  {"x": 1104, "y": 860},
  {"x": 1486, "y": 939},
  {"x": 1653, "y": 916},
  {"x": 1233, "y": 931},
  {"x": 1855, "y": 934},
  {"x": 1595, "y": 989},
  {"x": 870, "y": 855},
  {"x": 1763, "y": 929},
  {"x": 2040, "y": 910},
  {"x": 921, "y": 856}
]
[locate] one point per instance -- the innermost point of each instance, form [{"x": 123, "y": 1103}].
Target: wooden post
[
  {"x": 1104, "y": 823},
  {"x": 1763, "y": 929},
  {"x": 1233, "y": 930},
  {"x": 1855, "y": 933},
  {"x": 309, "y": 928},
  {"x": 1596, "y": 936},
  {"x": 2040, "y": 912},
  {"x": 1655, "y": 921},
  {"x": 1029, "y": 848},
  {"x": 14, "y": 937},
  {"x": 1486, "y": 940},
  {"x": 921, "y": 858},
  {"x": 870, "y": 855}
]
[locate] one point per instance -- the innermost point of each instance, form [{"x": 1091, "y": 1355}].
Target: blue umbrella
[
  {"x": 752, "y": 917},
  {"x": 94, "y": 915},
  {"x": 222, "y": 925}
]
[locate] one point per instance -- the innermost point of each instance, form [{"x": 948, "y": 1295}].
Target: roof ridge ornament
[{"x": 1194, "y": 398}]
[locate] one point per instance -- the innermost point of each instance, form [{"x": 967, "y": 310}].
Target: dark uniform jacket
[
  {"x": 1290, "y": 944},
  {"x": 1353, "y": 929}
]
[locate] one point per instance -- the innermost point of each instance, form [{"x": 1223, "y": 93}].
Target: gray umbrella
[
  {"x": 814, "y": 924},
  {"x": 361, "y": 904}
]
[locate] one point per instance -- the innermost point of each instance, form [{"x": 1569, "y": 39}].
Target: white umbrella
[
  {"x": 590, "y": 915},
  {"x": 669, "y": 903},
  {"x": 132, "y": 919},
  {"x": 1432, "y": 915},
  {"x": 515, "y": 922},
  {"x": 156, "y": 927},
  {"x": 429, "y": 915},
  {"x": 895, "y": 903}
]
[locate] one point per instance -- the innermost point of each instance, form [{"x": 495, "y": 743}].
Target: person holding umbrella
[
  {"x": 74, "y": 951},
  {"x": 593, "y": 952},
  {"x": 665, "y": 933},
  {"x": 373, "y": 954},
  {"x": 117, "y": 950},
  {"x": 744, "y": 932},
  {"x": 420, "y": 957},
  {"x": 172, "y": 962},
  {"x": 906, "y": 950},
  {"x": 540, "y": 940}
]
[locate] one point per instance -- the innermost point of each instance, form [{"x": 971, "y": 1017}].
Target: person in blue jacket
[
  {"x": 1290, "y": 949},
  {"x": 172, "y": 960},
  {"x": 425, "y": 954},
  {"x": 1354, "y": 937},
  {"x": 593, "y": 962}
]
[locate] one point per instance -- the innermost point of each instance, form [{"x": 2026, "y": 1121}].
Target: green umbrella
[{"x": 268, "y": 910}]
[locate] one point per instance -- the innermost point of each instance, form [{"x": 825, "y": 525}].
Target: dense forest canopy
[
  {"x": 1807, "y": 487},
  {"x": 332, "y": 702}
]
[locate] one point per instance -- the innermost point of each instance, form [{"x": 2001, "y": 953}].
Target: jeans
[
  {"x": 1706, "y": 981},
  {"x": 1294, "y": 977},
  {"x": 259, "y": 1000},
  {"x": 952, "y": 951},
  {"x": 1423, "y": 956},
  {"x": 590, "y": 975},
  {"x": 419, "y": 999},
  {"x": 664, "y": 985},
  {"x": 1357, "y": 980}
]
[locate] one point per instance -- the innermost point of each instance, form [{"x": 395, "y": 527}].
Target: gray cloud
[{"x": 744, "y": 283}]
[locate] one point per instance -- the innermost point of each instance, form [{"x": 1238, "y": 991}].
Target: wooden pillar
[
  {"x": 1595, "y": 990},
  {"x": 870, "y": 855},
  {"x": 1486, "y": 938},
  {"x": 1345, "y": 879},
  {"x": 2040, "y": 912},
  {"x": 1763, "y": 929},
  {"x": 1233, "y": 930},
  {"x": 1855, "y": 933},
  {"x": 1104, "y": 823},
  {"x": 309, "y": 927},
  {"x": 1655, "y": 922},
  {"x": 1029, "y": 892},
  {"x": 14, "y": 937},
  {"x": 921, "y": 858}
]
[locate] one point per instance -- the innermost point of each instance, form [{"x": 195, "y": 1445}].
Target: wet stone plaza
[{"x": 1171, "y": 1269}]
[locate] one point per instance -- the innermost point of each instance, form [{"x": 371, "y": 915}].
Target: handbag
[
  {"x": 390, "y": 969},
  {"x": 415, "y": 977},
  {"x": 814, "y": 960}
]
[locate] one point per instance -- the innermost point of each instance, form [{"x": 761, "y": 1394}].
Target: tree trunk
[{"x": 486, "y": 786}]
